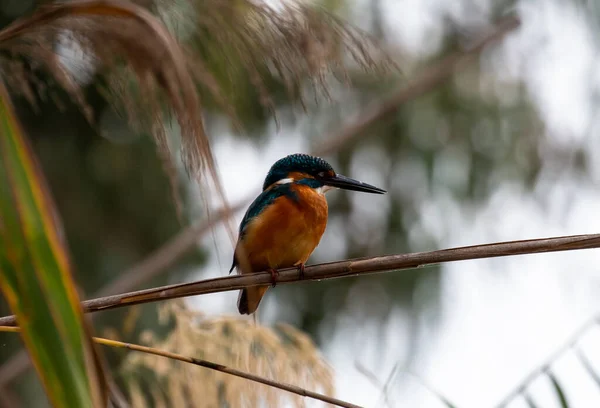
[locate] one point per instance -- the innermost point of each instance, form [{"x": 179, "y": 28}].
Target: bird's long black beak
[{"x": 350, "y": 184}]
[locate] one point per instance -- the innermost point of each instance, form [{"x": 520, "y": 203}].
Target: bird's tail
[{"x": 249, "y": 299}]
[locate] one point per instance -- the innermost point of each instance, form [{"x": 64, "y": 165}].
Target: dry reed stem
[
  {"x": 352, "y": 267},
  {"x": 213, "y": 366}
]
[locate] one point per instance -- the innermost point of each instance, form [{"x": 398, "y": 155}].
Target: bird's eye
[{"x": 321, "y": 174}]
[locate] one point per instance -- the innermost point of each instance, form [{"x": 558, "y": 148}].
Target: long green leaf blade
[{"x": 35, "y": 275}]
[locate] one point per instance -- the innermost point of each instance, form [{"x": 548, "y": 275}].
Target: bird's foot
[
  {"x": 301, "y": 270},
  {"x": 274, "y": 275}
]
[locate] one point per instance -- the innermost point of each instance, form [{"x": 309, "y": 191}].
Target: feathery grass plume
[
  {"x": 228, "y": 50},
  {"x": 281, "y": 353},
  {"x": 113, "y": 35},
  {"x": 289, "y": 45}
]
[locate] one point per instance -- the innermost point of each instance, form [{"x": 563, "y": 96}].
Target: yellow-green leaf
[{"x": 35, "y": 275}]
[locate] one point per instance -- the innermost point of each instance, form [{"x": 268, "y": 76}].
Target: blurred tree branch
[
  {"x": 331, "y": 270},
  {"x": 429, "y": 79}
]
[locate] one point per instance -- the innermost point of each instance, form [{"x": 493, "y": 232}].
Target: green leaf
[
  {"x": 558, "y": 389},
  {"x": 35, "y": 275}
]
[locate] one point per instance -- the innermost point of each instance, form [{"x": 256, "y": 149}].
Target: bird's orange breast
[{"x": 285, "y": 233}]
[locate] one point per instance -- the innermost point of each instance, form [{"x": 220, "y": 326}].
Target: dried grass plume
[
  {"x": 281, "y": 353},
  {"x": 158, "y": 57}
]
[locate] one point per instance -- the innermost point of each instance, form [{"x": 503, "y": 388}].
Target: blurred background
[{"x": 503, "y": 150}]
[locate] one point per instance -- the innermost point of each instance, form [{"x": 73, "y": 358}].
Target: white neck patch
[
  {"x": 320, "y": 190},
  {"x": 285, "y": 181},
  {"x": 324, "y": 189}
]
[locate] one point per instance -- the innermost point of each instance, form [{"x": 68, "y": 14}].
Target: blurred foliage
[{"x": 457, "y": 142}]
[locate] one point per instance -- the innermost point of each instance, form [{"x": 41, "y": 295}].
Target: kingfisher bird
[{"x": 284, "y": 224}]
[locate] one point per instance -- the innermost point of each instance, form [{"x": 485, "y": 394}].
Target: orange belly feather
[{"x": 284, "y": 235}]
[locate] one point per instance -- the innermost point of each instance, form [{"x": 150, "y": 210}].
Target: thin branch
[
  {"x": 351, "y": 267},
  {"x": 545, "y": 366},
  {"x": 165, "y": 256},
  {"x": 213, "y": 366}
]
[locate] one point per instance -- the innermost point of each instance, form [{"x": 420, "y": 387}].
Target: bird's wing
[{"x": 261, "y": 202}]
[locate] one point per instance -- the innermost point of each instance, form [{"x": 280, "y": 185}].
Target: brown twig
[
  {"x": 217, "y": 367},
  {"x": 165, "y": 256},
  {"x": 352, "y": 267}
]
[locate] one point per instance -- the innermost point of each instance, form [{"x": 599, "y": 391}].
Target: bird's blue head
[{"x": 299, "y": 166}]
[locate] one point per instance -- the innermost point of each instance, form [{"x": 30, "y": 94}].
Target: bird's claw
[
  {"x": 274, "y": 275},
  {"x": 301, "y": 271}
]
